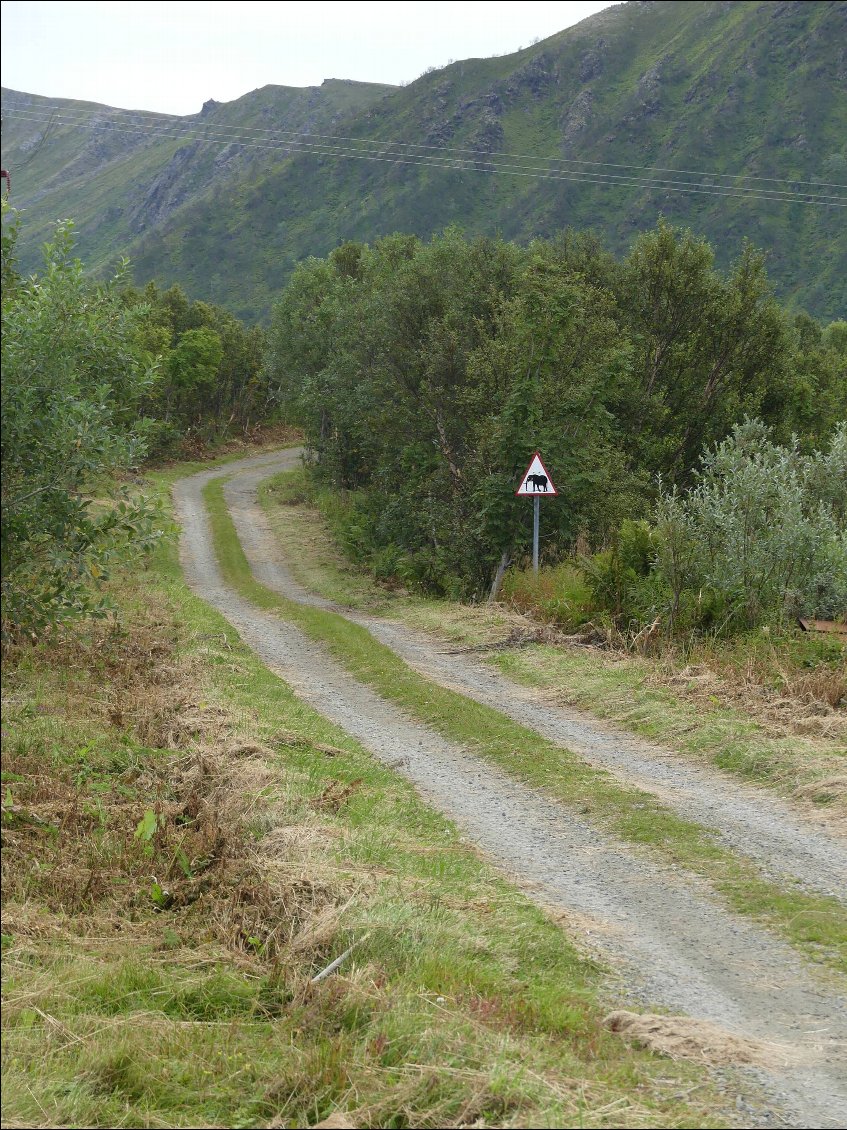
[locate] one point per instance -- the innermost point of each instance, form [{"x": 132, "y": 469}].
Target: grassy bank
[{"x": 186, "y": 845}]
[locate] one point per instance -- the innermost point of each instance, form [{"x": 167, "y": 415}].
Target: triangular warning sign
[{"x": 535, "y": 481}]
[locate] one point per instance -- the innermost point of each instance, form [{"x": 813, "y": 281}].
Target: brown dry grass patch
[
  {"x": 682, "y": 1038},
  {"x": 71, "y": 842},
  {"x": 768, "y": 678},
  {"x": 809, "y": 704}
]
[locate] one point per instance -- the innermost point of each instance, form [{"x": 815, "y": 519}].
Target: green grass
[
  {"x": 815, "y": 923},
  {"x": 462, "y": 1003},
  {"x": 626, "y": 691}
]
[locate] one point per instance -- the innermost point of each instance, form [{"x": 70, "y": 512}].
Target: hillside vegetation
[{"x": 743, "y": 88}]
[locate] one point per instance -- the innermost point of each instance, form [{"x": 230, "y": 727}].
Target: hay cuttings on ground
[
  {"x": 172, "y": 833},
  {"x": 522, "y": 636},
  {"x": 199, "y": 867},
  {"x": 830, "y": 790},
  {"x": 680, "y": 1037},
  {"x": 824, "y": 789},
  {"x": 807, "y": 702}
]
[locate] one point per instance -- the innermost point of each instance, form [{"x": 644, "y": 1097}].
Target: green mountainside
[{"x": 218, "y": 203}]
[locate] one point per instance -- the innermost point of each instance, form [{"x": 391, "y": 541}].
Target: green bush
[
  {"x": 620, "y": 579},
  {"x": 560, "y": 594},
  {"x": 762, "y": 536}
]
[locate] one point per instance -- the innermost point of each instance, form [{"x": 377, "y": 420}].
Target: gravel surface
[
  {"x": 749, "y": 820},
  {"x": 672, "y": 943}
]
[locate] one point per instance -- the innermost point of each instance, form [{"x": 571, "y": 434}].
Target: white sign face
[{"x": 536, "y": 481}]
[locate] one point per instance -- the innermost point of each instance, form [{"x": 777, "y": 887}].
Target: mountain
[{"x": 226, "y": 201}]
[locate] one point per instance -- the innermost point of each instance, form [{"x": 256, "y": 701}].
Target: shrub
[
  {"x": 762, "y": 535},
  {"x": 73, "y": 375},
  {"x": 561, "y": 594},
  {"x": 619, "y": 579}
]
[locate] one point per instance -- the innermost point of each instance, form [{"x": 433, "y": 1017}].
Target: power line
[
  {"x": 304, "y": 143},
  {"x": 453, "y": 149},
  {"x": 455, "y": 162},
  {"x": 481, "y": 165}
]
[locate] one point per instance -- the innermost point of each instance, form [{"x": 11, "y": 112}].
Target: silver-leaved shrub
[{"x": 762, "y": 536}]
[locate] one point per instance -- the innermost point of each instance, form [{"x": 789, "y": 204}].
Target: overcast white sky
[{"x": 172, "y": 57}]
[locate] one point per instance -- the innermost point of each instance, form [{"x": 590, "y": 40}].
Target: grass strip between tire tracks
[{"x": 814, "y": 923}]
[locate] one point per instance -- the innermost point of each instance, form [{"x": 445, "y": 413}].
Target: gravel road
[{"x": 672, "y": 943}]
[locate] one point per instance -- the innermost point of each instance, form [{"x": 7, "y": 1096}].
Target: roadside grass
[
  {"x": 625, "y": 690},
  {"x": 815, "y": 923},
  {"x": 782, "y": 682},
  {"x": 722, "y": 703},
  {"x": 186, "y": 844},
  {"x": 318, "y": 563}
]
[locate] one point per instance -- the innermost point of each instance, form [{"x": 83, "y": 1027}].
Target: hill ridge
[{"x": 736, "y": 90}]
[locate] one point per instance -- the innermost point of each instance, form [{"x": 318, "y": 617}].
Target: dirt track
[{"x": 674, "y": 946}]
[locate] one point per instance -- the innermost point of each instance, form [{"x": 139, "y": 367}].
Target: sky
[{"x": 172, "y": 57}]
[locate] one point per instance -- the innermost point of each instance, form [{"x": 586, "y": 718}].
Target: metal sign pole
[
  {"x": 536, "y": 519},
  {"x": 535, "y": 482}
]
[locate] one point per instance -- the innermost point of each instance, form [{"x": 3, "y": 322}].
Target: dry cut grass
[
  {"x": 683, "y": 1038},
  {"x": 74, "y": 836}
]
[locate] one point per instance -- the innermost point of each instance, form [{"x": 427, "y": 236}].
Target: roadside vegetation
[
  {"x": 209, "y": 386},
  {"x": 678, "y": 410},
  {"x": 97, "y": 378},
  {"x": 766, "y": 704},
  {"x": 694, "y": 429},
  {"x": 72, "y": 384}
]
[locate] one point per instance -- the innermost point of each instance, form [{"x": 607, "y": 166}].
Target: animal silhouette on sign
[{"x": 537, "y": 482}]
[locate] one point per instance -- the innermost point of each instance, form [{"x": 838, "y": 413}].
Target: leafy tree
[
  {"x": 425, "y": 374},
  {"x": 707, "y": 349},
  {"x": 546, "y": 379},
  {"x": 192, "y": 366},
  {"x": 211, "y": 369},
  {"x": 818, "y": 395},
  {"x": 301, "y": 350},
  {"x": 73, "y": 375}
]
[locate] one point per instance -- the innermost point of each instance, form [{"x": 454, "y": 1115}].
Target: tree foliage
[
  {"x": 210, "y": 364},
  {"x": 426, "y": 374},
  {"x": 74, "y": 374}
]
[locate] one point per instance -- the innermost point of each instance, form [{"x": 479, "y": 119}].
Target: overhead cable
[
  {"x": 481, "y": 164},
  {"x": 446, "y": 148}
]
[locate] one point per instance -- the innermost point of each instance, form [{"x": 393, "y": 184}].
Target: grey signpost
[
  {"x": 535, "y": 483},
  {"x": 536, "y": 525}
]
